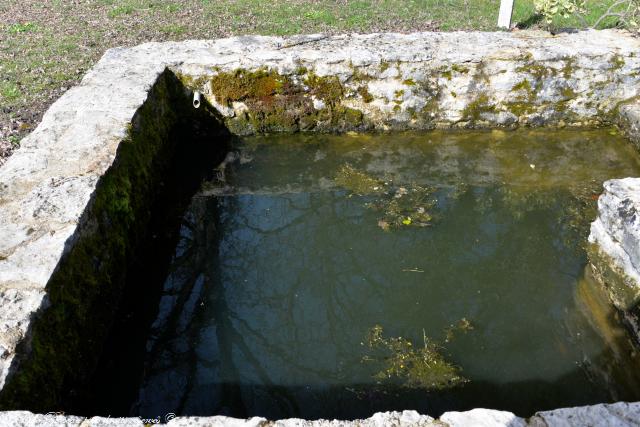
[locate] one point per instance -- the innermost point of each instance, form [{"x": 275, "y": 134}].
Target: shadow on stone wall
[{"x": 105, "y": 289}]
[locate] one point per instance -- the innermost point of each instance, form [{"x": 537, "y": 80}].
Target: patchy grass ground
[{"x": 47, "y": 45}]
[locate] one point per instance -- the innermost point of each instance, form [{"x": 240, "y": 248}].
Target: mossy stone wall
[{"x": 85, "y": 291}]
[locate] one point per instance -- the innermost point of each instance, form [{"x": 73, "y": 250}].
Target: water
[{"x": 471, "y": 243}]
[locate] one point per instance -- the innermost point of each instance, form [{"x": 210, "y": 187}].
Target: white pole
[{"x": 506, "y": 10}]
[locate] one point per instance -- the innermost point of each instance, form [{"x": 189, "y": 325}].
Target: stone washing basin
[{"x": 75, "y": 196}]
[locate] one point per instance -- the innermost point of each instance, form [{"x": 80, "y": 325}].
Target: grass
[
  {"x": 173, "y": 29},
  {"x": 9, "y": 91},
  {"x": 21, "y": 28},
  {"x": 46, "y": 46}
]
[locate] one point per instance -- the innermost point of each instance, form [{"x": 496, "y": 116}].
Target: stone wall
[
  {"x": 615, "y": 415},
  {"x": 420, "y": 81},
  {"x": 73, "y": 197},
  {"x": 55, "y": 338},
  {"x": 615, "y": 250},
  {"x": 614, "y": 253}
]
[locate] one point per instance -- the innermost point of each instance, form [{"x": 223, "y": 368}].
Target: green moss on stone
[
  {"x": 328, "y": 88},
  {"x": 520, "y": 109},
  {"x": 430, "y": 108},
  {"x": 568, "y": 68},
  {"x": 568, "y": 93},
  {"x": 280, "y": 103},
  {"x": 523, "y": 85},
  {"x": 537, "y": 71},
  {"x": 474, "y": 110},
  {"x": 448, "y": 73},
  {"x": 350, "y": 116},
  {"x": 365, "y": 94},
  {"x": 459, "y": 69},
  {"x": 241, "y": 84},
  {"x": 85, "y": 290},
  {"x": 196, "y": 83},
  {"x": 359, "y": 76},
  {"x": 616, "y": 62}
]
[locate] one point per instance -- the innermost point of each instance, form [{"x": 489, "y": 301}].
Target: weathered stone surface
[
  {"x": 629, "y": 121},
  {"x": 380, "y": 419},
  {"x": 617, "y": 228},
  {"x": 27, "y": 419},
  {"x": 113, "y": 422},
  {"x": 376, "y": 81},
  {"x": 445, "y": 80},
  {"x": 619, "y": 414},
  {"x": 218, "y": 421},
  {"x": 615, "y": 255},
  {"x": 482, "y": 418}
]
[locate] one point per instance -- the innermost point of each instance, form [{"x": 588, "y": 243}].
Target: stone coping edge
[{"x": 620, "y": 414}]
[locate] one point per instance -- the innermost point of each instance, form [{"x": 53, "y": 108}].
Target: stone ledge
[
  {"x": 619, "y": 414},
  {"x": 616, "y": 230}
]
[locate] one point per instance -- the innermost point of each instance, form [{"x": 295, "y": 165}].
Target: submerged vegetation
[
  {"x": 399, "y": 206},
  {"x": 402, "y": 205},
  {"x": 461, "y": 326},
  {"x": 408, "y": 206},
  {"x": 416, "y": 367},
  {"x": 358, "y": 182}
]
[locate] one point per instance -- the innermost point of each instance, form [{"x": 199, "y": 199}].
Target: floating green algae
[
  {"x": 398, "y": 205},
  {"x": 415, "y": 366},
  {"x": 358, "y": 182},
  {"x": 406, "y": 206}
]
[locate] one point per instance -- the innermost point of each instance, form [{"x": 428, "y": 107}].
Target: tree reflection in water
[{"x": 279, "y": 274}]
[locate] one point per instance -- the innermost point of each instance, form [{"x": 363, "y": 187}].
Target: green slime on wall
[{"x": 87, "y": 286}]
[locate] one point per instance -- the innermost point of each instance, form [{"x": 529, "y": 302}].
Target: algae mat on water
[{"x": 336, "y": 276}]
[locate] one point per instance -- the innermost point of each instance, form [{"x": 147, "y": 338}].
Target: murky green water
[{"x": 336, "y": 276}]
